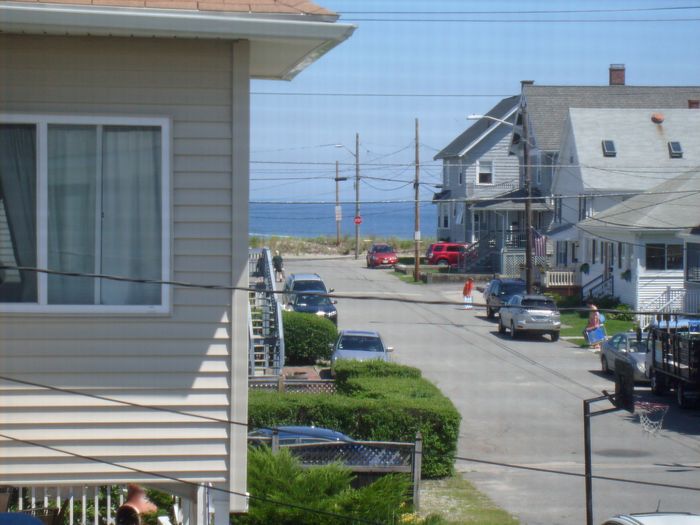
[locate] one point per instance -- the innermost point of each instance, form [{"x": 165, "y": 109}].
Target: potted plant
[{"x": 585, "y": 268}]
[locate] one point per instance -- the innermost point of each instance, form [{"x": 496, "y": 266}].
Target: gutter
[{"x": 94, "y": 20}]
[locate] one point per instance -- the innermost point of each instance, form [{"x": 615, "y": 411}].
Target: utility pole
[
  {"x": 528, "y": 198},
  {"x": 416, "y": 234},
  {"x": 338, "y": 209},
  {"x": 357, "y": 196}
]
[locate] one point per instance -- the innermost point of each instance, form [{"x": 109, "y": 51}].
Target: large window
[
  {"x": 664, "y": 256},
  {"x": 85, "y": 196},
  {"x": 692, "y": 272}
]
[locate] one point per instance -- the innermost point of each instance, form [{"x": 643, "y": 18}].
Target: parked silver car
[
  {"x": 533, "y": 314},
  {"x": 655, "y": 518},
  {"x": 359, "y": 345},
  {"x": 626, "y": 347}
]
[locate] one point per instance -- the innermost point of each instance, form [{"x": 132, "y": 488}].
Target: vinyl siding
[
  {"x": 493, "y": 148},
  {"x": 180, "y": 360}
]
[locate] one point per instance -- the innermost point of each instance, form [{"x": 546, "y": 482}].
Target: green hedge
[
  {"x": 307, "y": 338},
  {"x": 389, "y": 407},
  {"x": 279, "y": 478}
]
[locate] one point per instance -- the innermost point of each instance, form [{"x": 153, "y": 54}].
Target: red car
[
  {"x": 381, "y": 255},
  {"x": 445, "y": 253}
]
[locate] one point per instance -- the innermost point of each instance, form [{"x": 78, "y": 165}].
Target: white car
[
  {"x": 655, "y": 518},
  {"x": 534, "y": 314}
]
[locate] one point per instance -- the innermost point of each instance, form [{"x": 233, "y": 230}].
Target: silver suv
[
  {"x": 303, "y": 282},
  {"x": 534, "y": 314}
]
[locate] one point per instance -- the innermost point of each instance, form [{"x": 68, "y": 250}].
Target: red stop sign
[{"x": 358, "y": 220}]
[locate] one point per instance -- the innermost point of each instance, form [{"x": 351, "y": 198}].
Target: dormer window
[
  {"x": 609, "y": 148},
  {"x": 675, "y": 150}
]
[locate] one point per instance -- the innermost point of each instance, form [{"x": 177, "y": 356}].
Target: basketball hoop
[{"x": 651, "y": 415}]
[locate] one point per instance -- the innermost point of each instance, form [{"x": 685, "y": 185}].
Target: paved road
[{"x": 521, "y": 404}]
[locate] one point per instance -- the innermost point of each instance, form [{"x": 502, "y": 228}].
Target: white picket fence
[{"x": 81, "y": 499}]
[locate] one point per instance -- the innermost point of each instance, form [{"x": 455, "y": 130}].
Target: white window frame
[
  {"x": 42, "y": 123},
  {"x": 478, "y": 171}
]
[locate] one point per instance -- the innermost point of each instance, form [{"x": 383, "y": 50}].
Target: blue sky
[{"x": 439, "y": 58}]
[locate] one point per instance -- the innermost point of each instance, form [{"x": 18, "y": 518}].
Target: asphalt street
[{"x": 521, "y": 404}]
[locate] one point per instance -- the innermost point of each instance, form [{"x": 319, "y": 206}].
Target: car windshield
[
  {"x": 383, "y": 249},
  {"x": 360, "y": 342},
  {"x": 512, "y": 288},
  {"x": 539, "y": 304},
  {"x": 309, "y": 285},
  {"x": 311, "y": 300}
]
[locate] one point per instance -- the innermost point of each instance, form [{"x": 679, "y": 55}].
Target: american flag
[{"x": 539, "y": 243}]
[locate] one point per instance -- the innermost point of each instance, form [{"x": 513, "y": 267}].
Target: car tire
[
  {"x": 604, "y": 367},
  {"x": 682, "y": 397},
  {"x": 513, "y": 331},
  {"x": 554, "y": 336},
  {"x": 501, "y": 328},
  {"x": 657, "y": 384},
  {"x": 489, "y": 313}
]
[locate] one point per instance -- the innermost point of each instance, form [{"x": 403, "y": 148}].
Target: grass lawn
[
  {"x": 406, "y": 277},
  {"x": 456, "y": 501},
  {"x": 573, "y": 325}
]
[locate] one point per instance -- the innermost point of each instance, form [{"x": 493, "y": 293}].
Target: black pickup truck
[{"x": 673, "y": 360}]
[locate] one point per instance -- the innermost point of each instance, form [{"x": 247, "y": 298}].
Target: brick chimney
[{"x": 617, "y": 74}]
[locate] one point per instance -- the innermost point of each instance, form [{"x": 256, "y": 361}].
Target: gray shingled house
[
  {"x": 477, "y": 166},
  {"x": 547, "y": 108}
]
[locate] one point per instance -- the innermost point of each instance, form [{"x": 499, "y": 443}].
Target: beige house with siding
[{"x": 124, "y": 150}]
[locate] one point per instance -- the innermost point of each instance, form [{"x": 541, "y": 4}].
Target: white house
[
  {"x": 692, "y": 271},
  {"x": 606, "y": 157},
  {"x": 637, "y": 245},
  {"x": 124, "y": 150}
]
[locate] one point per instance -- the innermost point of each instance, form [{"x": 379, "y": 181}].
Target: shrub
[
  {"x": 307, "y": 338},
  {"x": 372, "y": 405},
  {"x": 274, "y": 478},
  {"x": 347, "y": 369}
]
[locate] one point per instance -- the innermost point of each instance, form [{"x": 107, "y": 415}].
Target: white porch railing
[
  {"x": 87, "y": 505},
  {"x": 561, "y": 278},
  {"x": 670, "y": 301}
]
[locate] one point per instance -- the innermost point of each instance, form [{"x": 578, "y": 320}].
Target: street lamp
[
  {"x": 358, "y": 219},
  {"x": 528, "y": 193}
]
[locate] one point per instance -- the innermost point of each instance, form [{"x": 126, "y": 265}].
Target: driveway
[{"x": 521, "y": 404}]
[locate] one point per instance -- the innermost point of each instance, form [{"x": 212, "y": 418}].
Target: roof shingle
[
  {"x": 285, "y": 7},
  {"x": 476, "y": 130},
  {"x": 548, "y": 106}
]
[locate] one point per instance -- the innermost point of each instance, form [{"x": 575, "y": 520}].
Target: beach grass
[{"x": 327, "y": 245}]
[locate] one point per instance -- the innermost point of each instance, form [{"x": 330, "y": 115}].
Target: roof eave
[
  {"x": 443, "y": 155},
  {"x": 315, "y": 33}
]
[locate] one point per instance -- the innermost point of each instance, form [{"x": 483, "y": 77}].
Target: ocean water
[{"x": 313, "y": 220}]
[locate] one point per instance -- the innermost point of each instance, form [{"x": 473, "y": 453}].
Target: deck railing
[
  {"x": 561, "y": 278},
  {"x": 282, "y": 384}
]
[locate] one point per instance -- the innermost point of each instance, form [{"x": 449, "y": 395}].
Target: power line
[
  {"x": 209, "y": 418},
  {"x": 363, "y": 297},
  {"x": 525, "y": 21},
  {"x": 379, "y": 95},
  {"x": 187, "y": 482},
  {"x": 576, "y": 474},
  {"x": 519, "y": 12},
  {"x": 486, "y": 199}
]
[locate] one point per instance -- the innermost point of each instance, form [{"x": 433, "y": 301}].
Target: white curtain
[
  {"x": 18, "y": 194},
  {"x": 72, "y": 178},
  {"x": 131, "y": 210}
]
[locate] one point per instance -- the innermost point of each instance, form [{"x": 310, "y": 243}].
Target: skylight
[
  {"x": 675, "y": 150},
  {"x": 609, "y": 148}
]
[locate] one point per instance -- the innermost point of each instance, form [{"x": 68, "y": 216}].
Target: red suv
[{"x": 445, "y": 253}]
